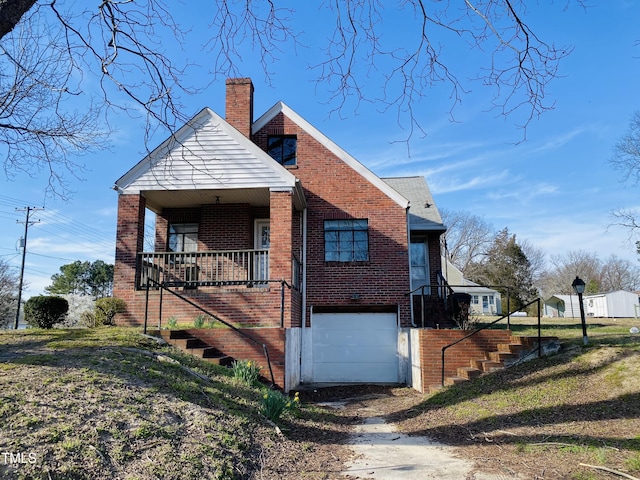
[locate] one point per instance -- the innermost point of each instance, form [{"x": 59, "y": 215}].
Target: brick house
[{"x": 275, "y": 229}]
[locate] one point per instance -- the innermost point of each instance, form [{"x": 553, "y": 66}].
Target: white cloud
[
  {"x": 525, "y": 194},
  {"x": 455, "y": 184},
  {"x": 83, "y": 250}
]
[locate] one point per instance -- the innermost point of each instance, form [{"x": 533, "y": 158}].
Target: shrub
[
  {"x": 107, "y": 308},
  {"x": 44, "y": 311},
  {"x": 274, "y": 403},
  {"x": 247, "y": 372},
  {"x": 88, "y": 318}
]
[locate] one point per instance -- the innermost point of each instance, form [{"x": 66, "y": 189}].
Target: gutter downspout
[
  {"x": 304, "y": 287},
  {"x": 410, "y": 272}
]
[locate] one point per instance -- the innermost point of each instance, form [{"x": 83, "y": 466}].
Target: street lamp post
[{"x": 578, "y": 286}]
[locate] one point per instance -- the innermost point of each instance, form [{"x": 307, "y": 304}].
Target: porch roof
[{"x": 208, "y": 161}]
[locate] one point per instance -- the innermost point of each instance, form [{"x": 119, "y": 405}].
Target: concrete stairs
[
  {"x": 193, "y": 346},
  {"x": 518, "y": 350}
]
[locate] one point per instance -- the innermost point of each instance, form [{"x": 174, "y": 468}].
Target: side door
[{"x": 261, "y": 244}]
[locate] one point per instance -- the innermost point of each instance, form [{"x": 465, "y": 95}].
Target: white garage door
[{"x": 355, "y": 347}]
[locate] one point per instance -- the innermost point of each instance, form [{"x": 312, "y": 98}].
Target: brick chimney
[{"x": 239, "y": 104}]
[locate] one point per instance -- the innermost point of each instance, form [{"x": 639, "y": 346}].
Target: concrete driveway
[{"x": 381, "y": 452}]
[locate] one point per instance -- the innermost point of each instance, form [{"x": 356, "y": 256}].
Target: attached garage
[{"x": 354, "y": 347}]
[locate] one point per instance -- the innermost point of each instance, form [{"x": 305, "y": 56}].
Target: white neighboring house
[
  {"x": 618, "y": 304},
  {"x": 484, "y": 300}
]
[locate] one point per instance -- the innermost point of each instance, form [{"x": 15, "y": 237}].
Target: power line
[{"x": 50, "y": 256}]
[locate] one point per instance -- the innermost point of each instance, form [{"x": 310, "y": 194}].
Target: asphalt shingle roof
[{"x": 423, "y": 213}]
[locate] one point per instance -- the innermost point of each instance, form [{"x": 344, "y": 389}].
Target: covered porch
[
  {"x": 227, "y": 217},
  {"x": 242, "y": 237},
  {"x": 228, "y": 257}
]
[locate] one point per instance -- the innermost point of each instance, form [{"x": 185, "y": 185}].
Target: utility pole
[{"x": 27, "y": 224}]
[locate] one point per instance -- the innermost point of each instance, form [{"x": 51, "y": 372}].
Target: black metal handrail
[
  {"x": 444, "y": 349},
  {"x": 193, "y": 304},
  {"x": 450, "y": 291}
]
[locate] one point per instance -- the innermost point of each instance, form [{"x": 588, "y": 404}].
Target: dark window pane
[
  {"x": 331, "y": 236},
  {"x": 331, "y": 256},
  {"x": 183, "y": 237},
  {"x": 282, "y": 149},
  {"x": 346, "y": 240}
]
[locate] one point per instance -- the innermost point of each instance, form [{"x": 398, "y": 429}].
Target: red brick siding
[
  {"x": 221, "y": 227},
  {"x": 239, "y": 104},
  {"x": 237, "y": 346},
  {"x": 225, "y": 226},
  {"x": 432, "y": 341},
  {"x": 129, "y": 241},
  {"x": 240, "y": 306},
  {"x": 334, "y": 190},
  {"x": 281, "y": 236}
]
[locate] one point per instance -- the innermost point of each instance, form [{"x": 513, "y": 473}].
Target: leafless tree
[
  {"x": 614, "y": 273},
  {"x": 619, "y": 274},
  {"x": 8, "y": 294},
  {"x": 38, "y": 130},
  {"x": 468, "y": 237},
  {"x": 536, "y": 257},
  {"x": 124, "y": 44},
  {"x": 626, "y": 159},
  {"x": 564, "y": 269}
]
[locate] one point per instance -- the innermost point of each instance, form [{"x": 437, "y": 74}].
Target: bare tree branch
[
  {"x": 124, "y": 44},
  {"x": 38, "y": 131},
  {"x": 520, "y": 65},
  {"x": 626, "y": 159},
  {"x": 467, "y": 239},
  {"x": 626, "y": 156}
]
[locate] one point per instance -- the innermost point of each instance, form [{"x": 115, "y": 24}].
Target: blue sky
[{"x": 555, "y": 189}]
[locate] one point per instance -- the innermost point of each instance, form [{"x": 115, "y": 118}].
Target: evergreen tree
[
  {"x": 83, "y": 278},
  {"x": 506, "y": 268}
]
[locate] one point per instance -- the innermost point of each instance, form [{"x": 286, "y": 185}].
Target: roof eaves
[
  {"x": 289, "y": 180},
  {"x": 145, "y": 164}
]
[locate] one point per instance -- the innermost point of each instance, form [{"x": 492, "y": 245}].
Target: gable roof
[
  {"x": 206, "y": 154},
  {"x": 423, "y": 213},
  {"x": 456, "y": 280},
  {"x": 330, "y": 145}
]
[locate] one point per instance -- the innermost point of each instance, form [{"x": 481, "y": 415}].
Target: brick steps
[
  {"x": 194, "y": 346},
  {"x": 518, "y": 349}
]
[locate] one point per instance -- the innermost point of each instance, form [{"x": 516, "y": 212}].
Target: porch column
[
  {"x": 281, "y": 241},
  {"x": 129, "y": 241},
  {"x": 280, "y": 248}
]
